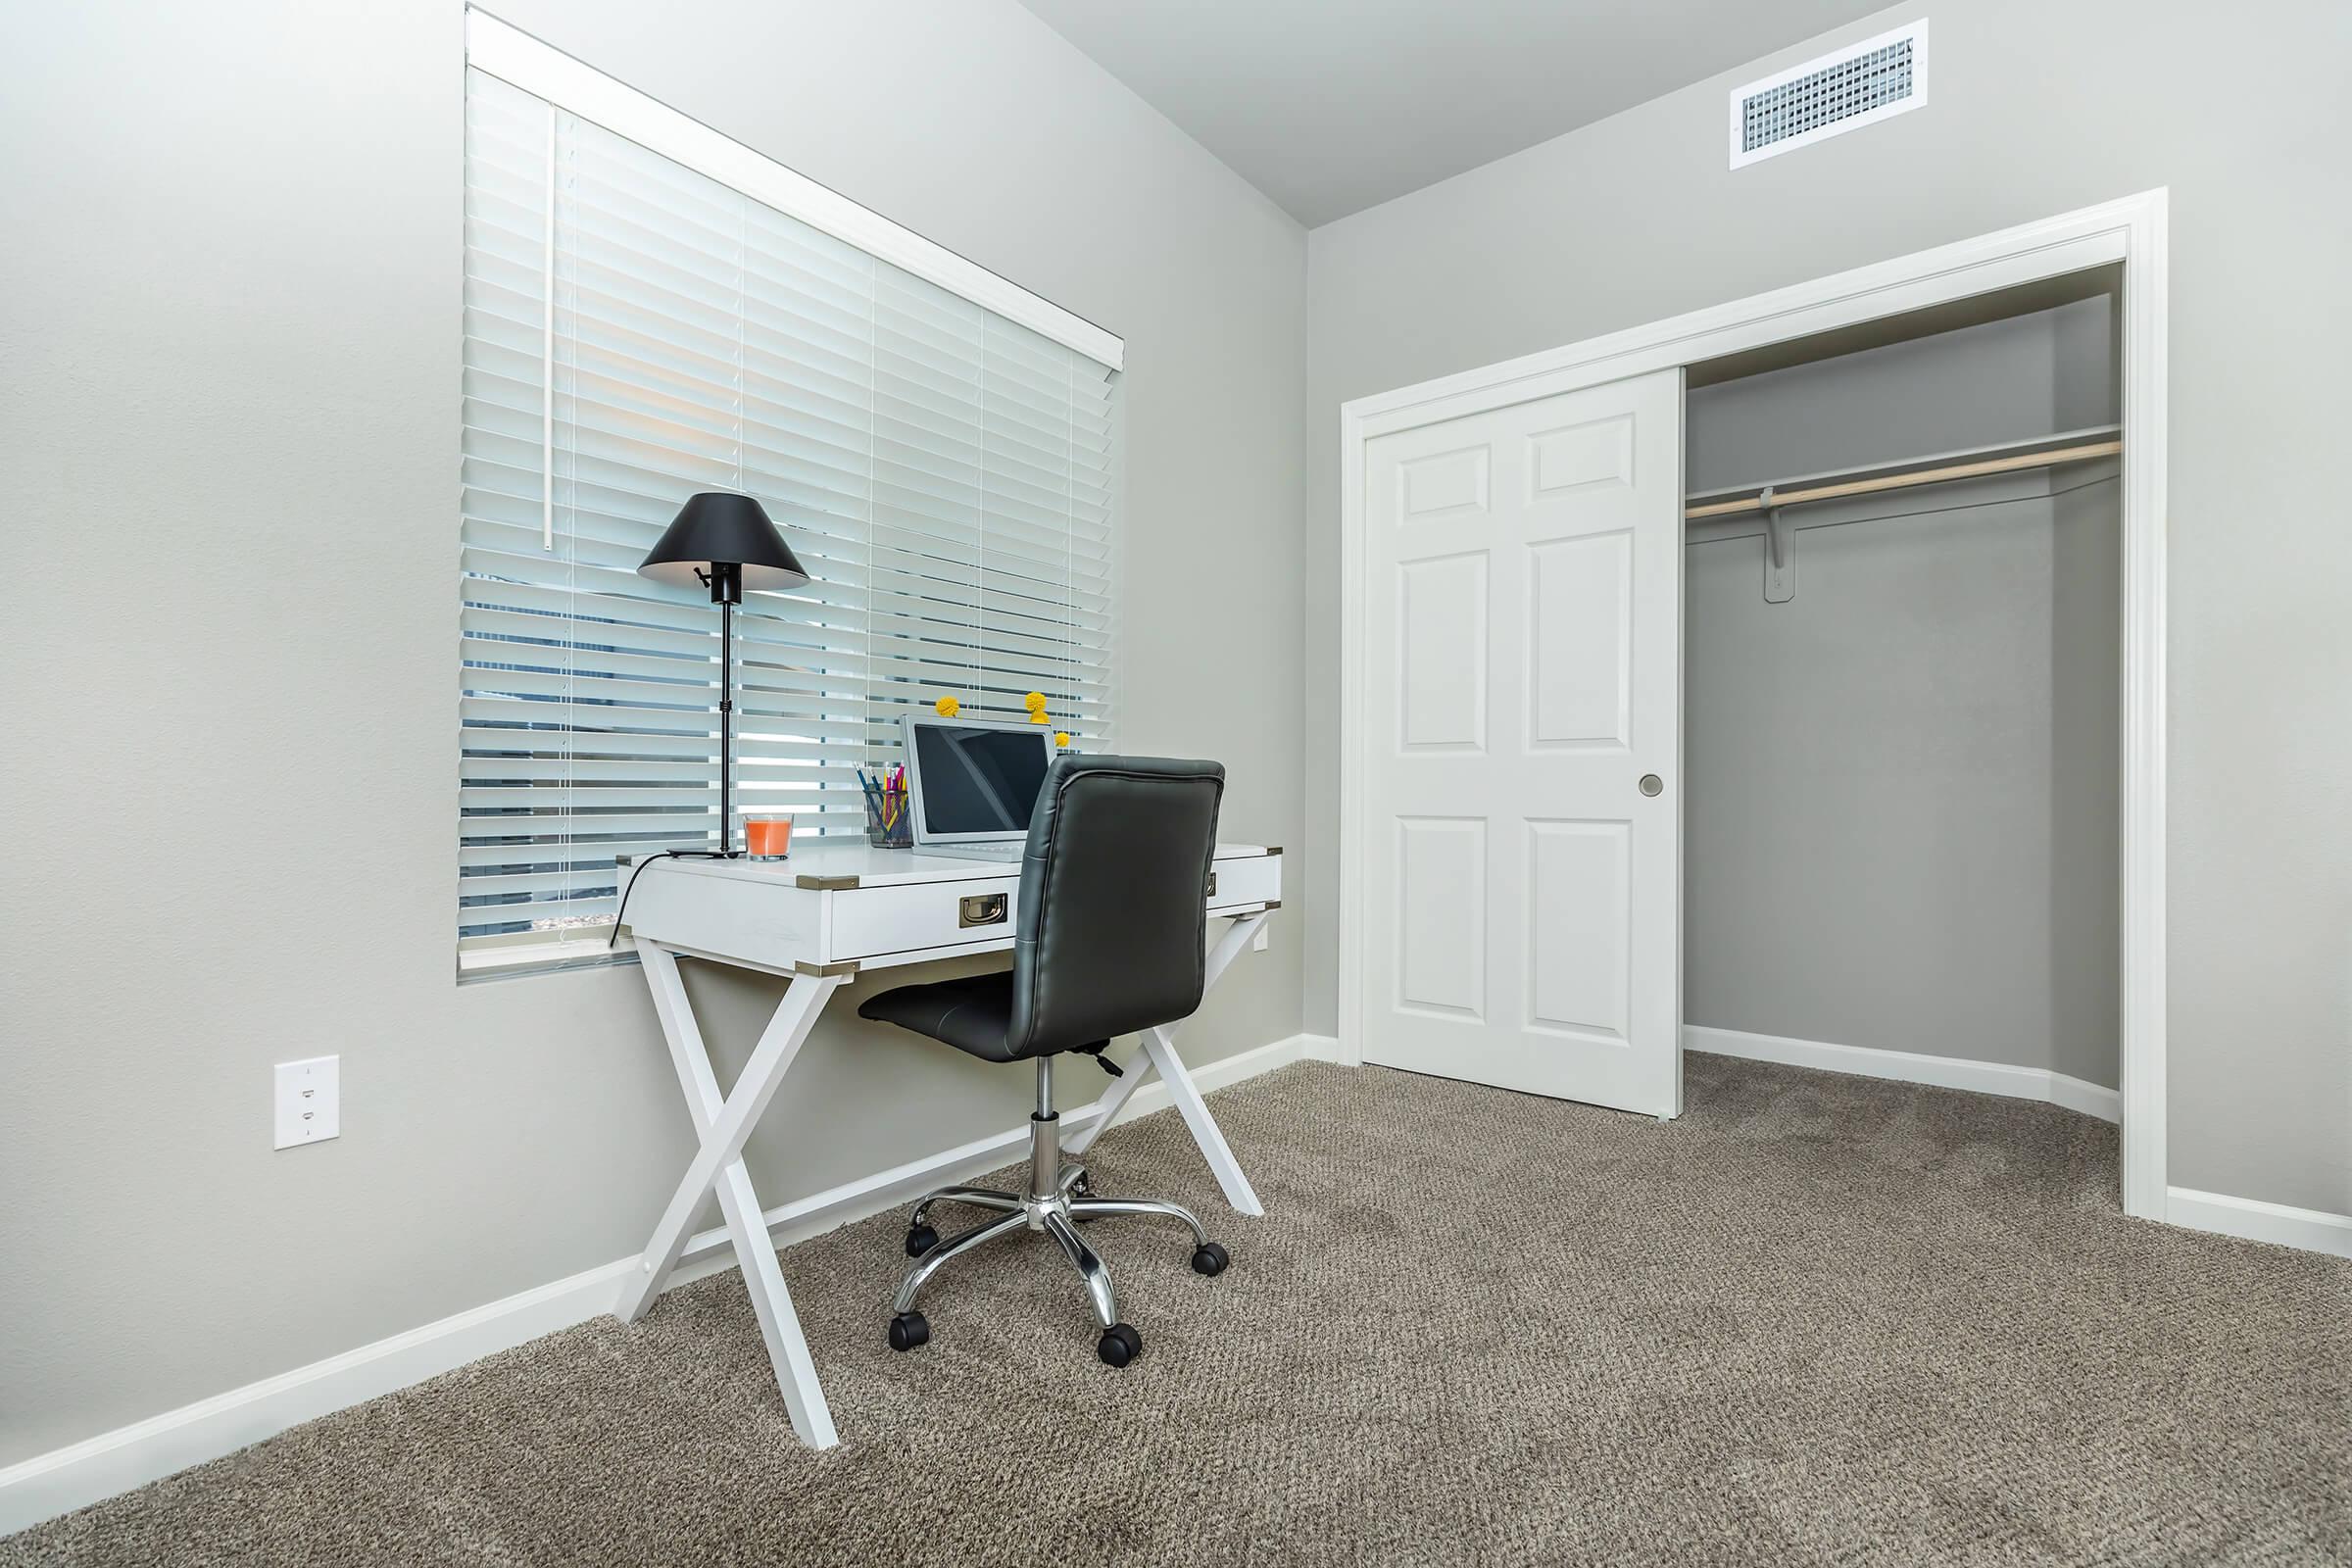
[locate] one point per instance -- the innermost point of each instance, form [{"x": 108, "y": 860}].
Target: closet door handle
[{"x": 1651, "y": 784}]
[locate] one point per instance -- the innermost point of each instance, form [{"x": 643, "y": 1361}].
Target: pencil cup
[{"x": 889, "y": 825}]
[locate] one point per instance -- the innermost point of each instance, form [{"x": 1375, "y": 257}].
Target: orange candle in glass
[{"x": 767, "y": 838}]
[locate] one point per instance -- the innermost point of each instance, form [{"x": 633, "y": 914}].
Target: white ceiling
[{"x": 1332, "y": 106}]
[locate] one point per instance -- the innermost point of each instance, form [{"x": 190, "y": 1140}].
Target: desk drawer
[
  {"x": 868, "y": 922},
  {"x": 1249, "y": 879}
]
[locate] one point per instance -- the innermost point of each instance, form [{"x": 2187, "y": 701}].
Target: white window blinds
[{"x": 636, "y": 331}]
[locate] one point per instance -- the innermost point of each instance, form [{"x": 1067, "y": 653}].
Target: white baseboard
[
  {"x": 1321, "y": 1048},
  {"x": 2309, "y": 1229},
  {"x": 1944, "y": 1072},
  {"x": 2313, "y": 1230},
  {"x": 73, "y": 1476}
]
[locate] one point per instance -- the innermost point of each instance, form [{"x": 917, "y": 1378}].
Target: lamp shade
[{"x": 716, "y": 529}]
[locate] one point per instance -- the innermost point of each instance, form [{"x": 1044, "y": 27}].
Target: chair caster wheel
[
  {"x": 1210, "y": 1258},
  {"x": 908, "y": 1330},
  {"x": 1119, "y": 1344},
  {"x": 921, "y": 1240}
]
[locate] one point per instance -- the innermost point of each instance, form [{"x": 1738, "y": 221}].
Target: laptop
[{"x": 972, "y": 784}]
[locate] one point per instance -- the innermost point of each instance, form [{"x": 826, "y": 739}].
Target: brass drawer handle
[
  {"x": 980, "y": 908},
  {"x": 1212, "y": 883}
]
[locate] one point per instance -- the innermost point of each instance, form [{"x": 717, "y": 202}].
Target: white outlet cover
[{"x": 308, "y": 1106}]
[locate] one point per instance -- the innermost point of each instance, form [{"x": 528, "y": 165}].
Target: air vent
[{"x": 1858, "y": 85}]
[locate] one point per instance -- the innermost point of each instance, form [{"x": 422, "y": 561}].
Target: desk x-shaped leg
[
  {"x": 1160, "y": 1055},
  {"x": 724, "y": 1123}
]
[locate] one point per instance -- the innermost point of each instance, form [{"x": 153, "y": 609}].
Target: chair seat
[{"x": 973, "y": 1014}]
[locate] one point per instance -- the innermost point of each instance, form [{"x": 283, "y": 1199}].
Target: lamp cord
[{"x": 619, "y": 915}]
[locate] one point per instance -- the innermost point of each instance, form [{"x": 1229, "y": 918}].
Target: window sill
[{"x": 542, "y": 958}]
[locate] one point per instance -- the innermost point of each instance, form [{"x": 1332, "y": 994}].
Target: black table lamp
[{"x": 726, "y": 544}]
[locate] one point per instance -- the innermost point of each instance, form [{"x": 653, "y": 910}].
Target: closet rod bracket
[{"x": 1779, "y": 552}]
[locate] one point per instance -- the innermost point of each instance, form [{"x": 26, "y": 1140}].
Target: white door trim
[{"x": 2131, "y": 231}]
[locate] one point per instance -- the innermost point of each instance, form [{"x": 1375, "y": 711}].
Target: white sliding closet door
[{"x": 1522, "y": 747}]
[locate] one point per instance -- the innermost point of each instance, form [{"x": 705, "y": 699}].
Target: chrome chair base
[{"x": 1059, "y": 1199}]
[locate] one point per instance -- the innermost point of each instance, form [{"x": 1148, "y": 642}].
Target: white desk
[{"x": 832, "y": 911}]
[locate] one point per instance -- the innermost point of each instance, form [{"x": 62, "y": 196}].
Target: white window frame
[
  {"x": 502, "y": 50},
  {"x": 499, "y": 49}
]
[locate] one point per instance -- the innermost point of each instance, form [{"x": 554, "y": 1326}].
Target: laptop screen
[{"x": 978, "y": 780}]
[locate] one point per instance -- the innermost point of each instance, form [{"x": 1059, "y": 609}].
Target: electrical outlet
[{"x": 309, "y": 1108}]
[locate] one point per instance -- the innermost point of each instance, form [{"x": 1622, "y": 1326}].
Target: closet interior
[{"x": 1901, "y": 620}]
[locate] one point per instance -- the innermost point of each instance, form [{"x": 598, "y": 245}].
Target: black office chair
[{"x": 1113, "y": 911}]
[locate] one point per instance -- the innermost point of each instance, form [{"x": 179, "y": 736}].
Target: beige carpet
[{"x": 1817, "y": 1320}]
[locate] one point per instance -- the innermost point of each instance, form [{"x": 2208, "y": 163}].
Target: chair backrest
[{"x": 1113, "y": 909}]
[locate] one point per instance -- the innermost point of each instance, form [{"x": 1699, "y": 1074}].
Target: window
[{"x": 637, "y": 330}]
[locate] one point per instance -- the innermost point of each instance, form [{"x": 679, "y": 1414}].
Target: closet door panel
[
  {"x": 1579, "y": 890},
  {"x": 1443, "y": 482},
  {"x": 1441, "y": 960},
  {"x": 1521, "y": 673},
  {"x": 1575, "y": 457},
  {"x": 1442, "y": 639},
  {"x": 1580, "y": 642}
]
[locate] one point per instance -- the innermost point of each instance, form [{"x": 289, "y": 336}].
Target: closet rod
[{"x": 2045, "y": 457}]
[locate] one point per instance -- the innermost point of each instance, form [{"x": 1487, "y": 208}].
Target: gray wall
[
  {"x": 1894, "y": 835},
  {"x": 228, "y": 386},
  {"x": 1899, "y": 799},
  {"x": 2013, "y": 380},
  {"x": 2037, "y": 109}
]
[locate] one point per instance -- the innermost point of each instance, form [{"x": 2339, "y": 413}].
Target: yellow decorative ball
[
  {"x": 947, "y": 707},
  {"x": 1037, "y": 715},
  {"x": 1035, "y": 701},
  {"x": 1061, "y": 737}
]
